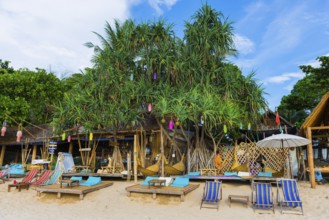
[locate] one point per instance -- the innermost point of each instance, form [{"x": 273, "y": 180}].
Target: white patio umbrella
[{"x": 283, "y": 141}]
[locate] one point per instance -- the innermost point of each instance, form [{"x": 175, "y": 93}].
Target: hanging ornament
[
  {"x": 171, "y": 124},
  {"x": 249, "y": 126},
  {"x": 3, "y": 131},
  {"x": 154, "y": 75},
  {"x": 201, "y": 120},
  {"x": 19, "y": 136},
  {"x": 131, "y": 77},
  {"x": 225, "y": 129},
  {"x": 4, "y": 128},
  {"x": 149, "y": 107},
  {"x": 163, "y": 121},
  {"x": 91, "y": 135},
  {"x": 241, "y": 126},
  {"x": 63, "y": 136},
  {"x": 69, "y": 138}
]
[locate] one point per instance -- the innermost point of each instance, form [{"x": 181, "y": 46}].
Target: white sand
[{"x": 113, "y": 203}]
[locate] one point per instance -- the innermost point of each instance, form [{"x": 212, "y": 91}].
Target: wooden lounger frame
[
  {"x": 166, "y": 190},
  {"x": 78, "y": 190}
]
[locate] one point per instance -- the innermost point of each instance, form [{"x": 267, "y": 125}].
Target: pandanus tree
[{"x": 188, "y": 82}]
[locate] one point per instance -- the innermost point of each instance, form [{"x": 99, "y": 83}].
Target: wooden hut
[{"x": 316, "y": 127}]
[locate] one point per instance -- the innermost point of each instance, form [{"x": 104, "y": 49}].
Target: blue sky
[{"x": 273, "y": 37}]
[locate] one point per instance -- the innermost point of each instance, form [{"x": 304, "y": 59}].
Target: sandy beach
[{"x": 113, "y": 203}]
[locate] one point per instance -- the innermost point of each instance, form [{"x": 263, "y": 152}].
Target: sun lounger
[
  {"x": 212, "y": 194},
  {"x": 91, "y": 181},
  {"x": 261, "y": 196},
  {"x": 26, "y": 181},
  {"x": 54, "y": 178},
  {"x": 290, "y": 195},
  {"x": 43, "y": 178}
]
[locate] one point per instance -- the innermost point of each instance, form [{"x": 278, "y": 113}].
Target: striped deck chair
[
  {"x": 4, "y": 175},
  {"x": 212, "y": 194},
  {"x": 290, "y": 195},
  {"x": 26, "y": 180},
  {"x": 261, "y": 196},
  {"x": 53, "y": 178},
  {"x": 43, "y": 178}
]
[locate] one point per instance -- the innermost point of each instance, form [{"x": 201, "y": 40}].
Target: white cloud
[
  {"x": 243, "y": 44},
  {"x": 284, "y": 78},
  {"x": 158, "y": 4},
  {"x": 50, "y": 34},
  {"x": 315, "y": 63}
]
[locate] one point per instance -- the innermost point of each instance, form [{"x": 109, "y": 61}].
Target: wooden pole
[
  {"x": 128, "y": 166},
  {"x": 162, "y": 151},
  {"x": 135, "y": 158},
  {"x": 34, "y": 152},
  {"x": 71, "y": 148},
  {"x": 2, "y": 155},
  {"x": 310, "y": 158}
]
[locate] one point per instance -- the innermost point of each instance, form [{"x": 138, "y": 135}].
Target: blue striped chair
[
  {"x": 261, "y": 196},
  {"x": 290, "y": 194},
  {"x": 212, "y": 194}
]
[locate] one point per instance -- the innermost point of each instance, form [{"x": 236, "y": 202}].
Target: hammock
[
  {"x": 150, "y": 170},
  {"x": 176, "y": 169},
  {"x": 236, "y": 166}
]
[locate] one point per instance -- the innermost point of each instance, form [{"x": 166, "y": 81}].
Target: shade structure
[{"x": 283, "y": 141}]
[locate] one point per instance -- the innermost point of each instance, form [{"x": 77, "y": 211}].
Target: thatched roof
[
  {"x": 318, "y": 117},
  {"x": 268, "y": 122},
  {"x": 31, "y": 134}
]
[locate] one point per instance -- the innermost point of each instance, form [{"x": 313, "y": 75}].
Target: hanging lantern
[
  {"x": 154, "y": 75},
  {"x": 69, "y": 138},
  {"x": 241, "y": 126},
  {"x": 4, "y": 128},
  {"x": 91, "y": 135},
  {"x": 149, "y": 107},
  {"x": 63, "y": 136},
  {"x": 131, "y": 76},
  {"x": 171, "y": 124},
  {"x": 249, "y": 126},
  {"x": 19, "y": 135},
  {"x": 201, "y": 120},
  {"x": 163, "y": 120},
  {"x": 225, "y": 129}
]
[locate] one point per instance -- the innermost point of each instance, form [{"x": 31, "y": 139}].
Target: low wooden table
[
  {"x": 69, "y": 183},
  {"x": 157, "y": 182},
  {"x": 19, "y": 186},
  {"x": 238, "y": 198}
]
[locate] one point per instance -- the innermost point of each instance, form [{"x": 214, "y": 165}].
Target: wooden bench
[{"x": 238, "y": 198}]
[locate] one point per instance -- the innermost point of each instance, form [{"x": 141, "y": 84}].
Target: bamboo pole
[
  {"x": 71, "y": 148},
  {"x": 34, "y": 152},
  {"x": 128, "y": 166},
  {"x": 310, "y": 158},
  {"x": 135, "y": 158},
  {"x": 2, "y": 156},
  {"x": 162, "y": 151}
]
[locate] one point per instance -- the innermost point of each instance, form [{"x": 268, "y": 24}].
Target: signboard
[{"x": 51, "y": 150}]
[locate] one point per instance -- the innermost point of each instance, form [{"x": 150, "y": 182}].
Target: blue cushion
[
  {"x": 79, "y": 178},
  {"x": 145, "y": 182},
  {"x": 17, "y": 171},
  {"x": 92, "y": 180},
  {"x": 230, "y": 173},
  {"x": 180, "y": 182},
  {"x": 194, "y": 174},
  {"x": 265, "y": 174}
]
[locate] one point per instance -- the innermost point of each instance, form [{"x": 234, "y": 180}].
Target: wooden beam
[
  {"x": 2, "y": 155},
  {"x": 162, "y": 151},
  {"x": 135, "y": 158},
  {"x": 310, "y": 157},
  {"x": 318, "y": 128}
]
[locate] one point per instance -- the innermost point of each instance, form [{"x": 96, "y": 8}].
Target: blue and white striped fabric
[
  {"x": 263, "y": 195},
  {"x": 212, "y": 191},
  {"x": 290, "y": 192}
]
